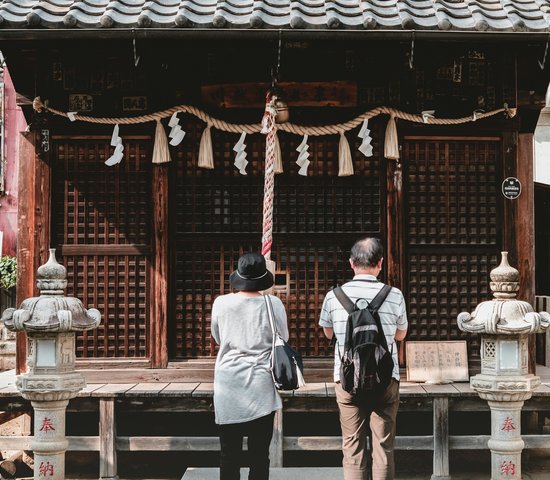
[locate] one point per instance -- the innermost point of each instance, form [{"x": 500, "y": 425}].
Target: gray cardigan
[{"x": 243, "y": 386}]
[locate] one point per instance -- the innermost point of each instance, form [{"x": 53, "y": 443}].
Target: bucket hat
[{"x": 252, "y": 274}]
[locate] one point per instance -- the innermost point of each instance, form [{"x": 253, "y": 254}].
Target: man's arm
[
  {"x": 399, "y": 334},
  {"x": 329, "y": 332}
]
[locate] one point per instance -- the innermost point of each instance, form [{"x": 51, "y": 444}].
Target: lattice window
[
  {"x": 100, "y": 204},
  {"x": 452, "y": 218},
  {"x": 490, "y": 350},
  {"x": 316, "y": 219},
  {"x": 452, "y": 192},
  {"x": 95, "y": 205}
]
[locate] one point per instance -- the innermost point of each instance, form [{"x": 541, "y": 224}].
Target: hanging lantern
[{"x": 541, "y": 169}]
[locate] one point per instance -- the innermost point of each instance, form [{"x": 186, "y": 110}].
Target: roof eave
[{"x": 25, "y": 34}]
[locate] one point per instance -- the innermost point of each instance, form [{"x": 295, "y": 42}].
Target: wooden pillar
[
  {"x": 159, "y": 304},
  {"x": 276, "y": 447},
  {"x": 33, "y": 235},
  {"x": 525, "y": 230},
  {"x": 107, "y": 440},
  {"x": 395, "y": 257},
  {"x": 441, "y": 439},
  {"x": 509, "y": 213}
]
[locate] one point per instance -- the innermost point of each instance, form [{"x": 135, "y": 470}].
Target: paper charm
[
  {"x": 426, "y": 114},
  {"x": 303, "y": 156},
  {"x": 476, "y": 113},
  {"x": 176, "y": 133},
  {"x": 240, "y": 158},
  {"x": 118, "y": 154},
  {"x": 365, "y": 148},
  {"x": 72, "y": 116}
]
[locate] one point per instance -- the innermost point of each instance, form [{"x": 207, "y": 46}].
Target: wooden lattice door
[
  {"x": 218, "y": 215},
  {"x": 101, "y": 226},
  {"x": 453, "y": 235}
]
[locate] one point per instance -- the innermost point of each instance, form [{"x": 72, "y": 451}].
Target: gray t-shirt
[
  {"x": 243, "y": 385},
  {"x": 392, "y": 316}
]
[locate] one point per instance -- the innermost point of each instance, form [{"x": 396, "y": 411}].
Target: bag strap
[
  {"x": 273, "y": 328},
  {"x": 380, "y": 298},
  {"x": 373, "y": 308},
  {"x": 270, "y": 315},
  {"x": 346, "y": 302}
]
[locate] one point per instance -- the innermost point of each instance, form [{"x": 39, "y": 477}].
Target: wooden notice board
[{"x": 437, "y": 361}]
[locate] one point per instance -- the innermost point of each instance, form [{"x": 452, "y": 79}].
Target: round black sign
[{"x": 511, "y": 188}]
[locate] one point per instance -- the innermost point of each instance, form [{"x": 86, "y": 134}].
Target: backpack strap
[
  {"x": 348, "y": 305},
  {"x": 380, "y": 298},
  {"x": 373, "y": 308}
]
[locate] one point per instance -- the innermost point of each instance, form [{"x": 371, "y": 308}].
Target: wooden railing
[{"x": 148, "y": 398}]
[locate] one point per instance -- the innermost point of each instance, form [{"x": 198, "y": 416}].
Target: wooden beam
[
  {"x": 33, "y": 237},
  {"x": 441, "y": 439},
  {"x": 101, "y": 250},
  {"x": 158, "y": 292},
  {"x": 107, "y": 436},
  {"x": 395, "y": 256},
  {"x": 509, "y": 211},
  {"x": 276, "y": 446},
  {"x": 525, "y": 230},
  {"x": 25, "y": 234}
]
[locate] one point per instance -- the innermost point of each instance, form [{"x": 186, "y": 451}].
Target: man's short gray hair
[{"x": 367, "y": 252}]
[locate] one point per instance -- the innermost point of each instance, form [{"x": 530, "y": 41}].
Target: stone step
[
  {"x": 288, "y": 473},
  {"x": 331, "y": 473}
]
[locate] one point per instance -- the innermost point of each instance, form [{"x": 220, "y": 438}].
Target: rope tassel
[
  {"x": 391, "y": 143},
  {"x": 206, "y": 157},
  {"x": 161, "y": 151},
  {"x": 345, "y": 162},
  {"x": 278, "y": 164}
]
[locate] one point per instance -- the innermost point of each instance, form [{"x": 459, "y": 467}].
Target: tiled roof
[{"x": 472, "y": 15}]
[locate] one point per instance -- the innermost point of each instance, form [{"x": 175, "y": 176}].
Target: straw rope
[
  {"x": 285, "y": 127},
  {"x": 269, "y": 182}
]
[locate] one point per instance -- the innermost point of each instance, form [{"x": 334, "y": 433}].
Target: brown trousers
[{"x": 353, "y": 419}]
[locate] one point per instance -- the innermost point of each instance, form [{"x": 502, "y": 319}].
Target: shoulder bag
[{"x": 286, "y": 364}]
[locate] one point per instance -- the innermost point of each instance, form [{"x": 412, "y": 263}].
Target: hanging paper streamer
[
  {"x": 365, "y": 148},
  {"x": 161, "y": 151},
  {"x": 176, "y": 133},
  {"x": 72, "y": 116},
  {"x": 476, "y": 113},
  {"x": 345, "y": 162},
  {"x": 206, "y": 157},
  {"x": 278, "y": 165},
  {"x": 118, "y": 154},
  {"x": 240, "y": 159},
  {"x": 391, "y": 143},
  {"x": 303, "y": 161},
  {"x": 427, "y": 114}
]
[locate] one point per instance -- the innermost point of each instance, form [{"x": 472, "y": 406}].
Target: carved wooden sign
[
  {"x": 299, "y": 94},
  {"x": 437, "y": 362}
]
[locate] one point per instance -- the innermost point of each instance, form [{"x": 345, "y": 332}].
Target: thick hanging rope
[
  {"x": 285, "y": 127},
  {"x": 269, "y": 179}
]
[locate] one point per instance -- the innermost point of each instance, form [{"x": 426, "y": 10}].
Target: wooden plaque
[
  {"x": 296, "y": 94},
  {"x": 437, "y": 362}
]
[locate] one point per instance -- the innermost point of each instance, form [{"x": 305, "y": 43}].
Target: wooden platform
[{"x": 109, "y": 399}]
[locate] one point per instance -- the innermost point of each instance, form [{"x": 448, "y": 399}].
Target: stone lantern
[
  {"x": 50, "y": 322},
  {"x": 505, "y": 324}
]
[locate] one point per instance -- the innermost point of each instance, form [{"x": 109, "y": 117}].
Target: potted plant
[{"x": 8, "y": 279}]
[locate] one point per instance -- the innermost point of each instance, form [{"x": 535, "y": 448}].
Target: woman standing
[{"x": 245, "y": 398}]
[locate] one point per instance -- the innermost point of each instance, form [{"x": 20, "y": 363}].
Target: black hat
[{"x": 251, "y": 275}]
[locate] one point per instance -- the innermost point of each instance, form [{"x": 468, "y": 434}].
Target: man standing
[{"x": 366, "y": 261}]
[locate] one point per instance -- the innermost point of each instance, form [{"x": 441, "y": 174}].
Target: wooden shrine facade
[{"x": 151, "y": 246}]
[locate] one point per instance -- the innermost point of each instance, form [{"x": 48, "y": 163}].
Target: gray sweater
[{"x": 243, "y": 386}]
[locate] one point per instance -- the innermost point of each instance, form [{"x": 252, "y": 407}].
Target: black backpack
[{"x": 367, "y": 363}]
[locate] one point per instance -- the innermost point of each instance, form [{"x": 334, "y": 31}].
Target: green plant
[{"x": 8, "y": 272}]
